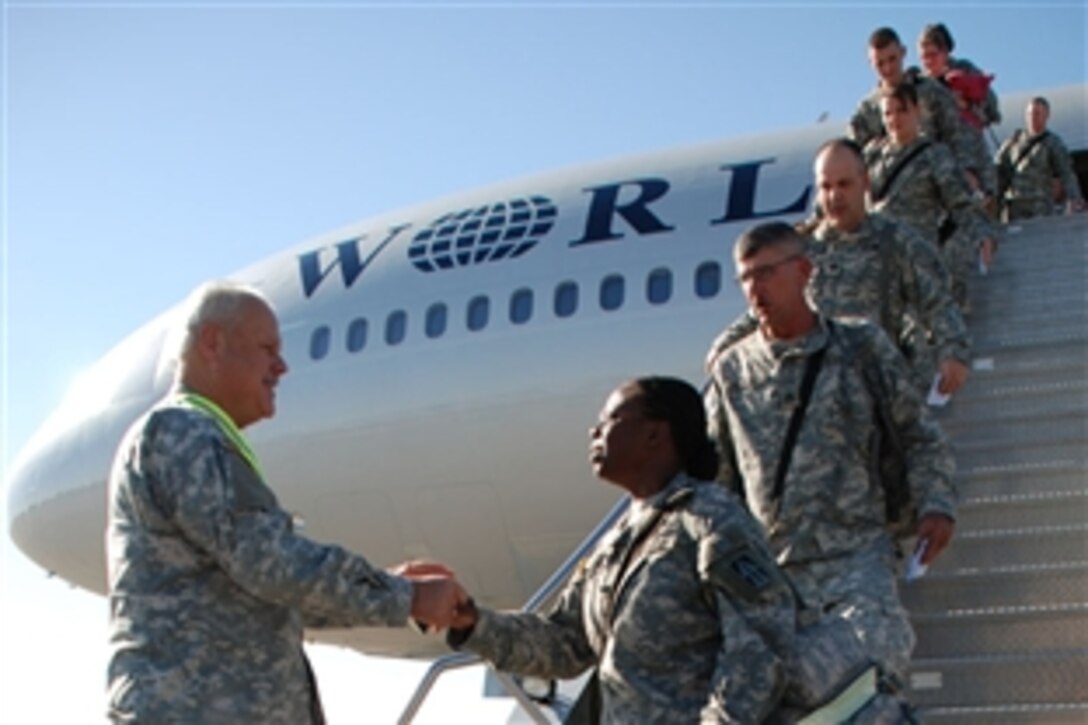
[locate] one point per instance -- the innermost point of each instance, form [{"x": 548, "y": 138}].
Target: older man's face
[{"x": 249, "y": 364}]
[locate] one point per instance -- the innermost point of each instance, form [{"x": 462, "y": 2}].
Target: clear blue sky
[{"x": 150, "y": 146}]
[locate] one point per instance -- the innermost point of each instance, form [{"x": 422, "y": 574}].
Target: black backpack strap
[
  {"x": 880, "y": 193},
  {"x": 812, "y": 368},
  {"x": 1032, "y": 143}
]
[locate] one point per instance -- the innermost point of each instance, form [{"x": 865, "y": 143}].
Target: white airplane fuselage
[{"x": 399, "y": 437}]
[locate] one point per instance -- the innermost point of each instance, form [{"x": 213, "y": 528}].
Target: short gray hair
[
  {"x": 216, "y": 302},
  {"x": 764, "y": 236}
]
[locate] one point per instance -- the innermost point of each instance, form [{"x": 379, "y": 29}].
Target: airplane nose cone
[{"x": 56, "y": 487}]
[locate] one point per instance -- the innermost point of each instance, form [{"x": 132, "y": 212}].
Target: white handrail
[{"x": 546, "y": 591}]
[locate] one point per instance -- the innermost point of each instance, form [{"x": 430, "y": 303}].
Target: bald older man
[{"x": 209, "y": 585}]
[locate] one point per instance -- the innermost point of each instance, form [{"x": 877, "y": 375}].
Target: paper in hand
[
  {"x": 915, "y": 568},
  {"x": 936, "y": 398}
]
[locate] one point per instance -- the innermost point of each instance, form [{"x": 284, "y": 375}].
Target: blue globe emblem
[{"x": 490, "y": 233}]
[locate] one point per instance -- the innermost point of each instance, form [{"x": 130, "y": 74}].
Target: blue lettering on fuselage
[
  {"x": 741, "y": 202},
  {"x": 346, "y": 256},
  {"x": 605, "y": 206}
]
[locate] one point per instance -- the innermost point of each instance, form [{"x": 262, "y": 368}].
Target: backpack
[{"x": 888, "y": 456}]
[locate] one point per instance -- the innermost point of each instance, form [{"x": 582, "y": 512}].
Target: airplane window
[
  {"x": 319, "y": 342},
  {"x": 659, "y": 286},
  {"x": 708, "y": 279},
  {"x": 357, "y": 334},
  {"x": 611, "y": 292},
  {"x": 435, "y": 324},
  {"x": 396, "y": 325},
  {"x": 479, "y": 308},
  {"x": 521, "y": 306},
  {"x": 566, "y": 299}
]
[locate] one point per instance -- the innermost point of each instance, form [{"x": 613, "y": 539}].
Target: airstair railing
[{"x": 545, "y": 593}]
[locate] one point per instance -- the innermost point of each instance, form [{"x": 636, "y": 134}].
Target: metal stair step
[
  {"x": 1030, "y": 508},
  {"x": 1017, "y": 455},
  {"x": 1061, "y": 361},
  {"x": 1060, "y": 475},
  {"x": 996, "y": 683},
  {"x": 1016, "y": 339},
  {"x": 1010, "y": 586},
  {"x": 1049, "y": 713},
  {"x": 971, "y": 457},
  {"x": 1045, "y": 389},
  {"x": 1000, "y": 630},
  {"x": 1017, "y": 546},
  {"x": 1012, "y": 427}
]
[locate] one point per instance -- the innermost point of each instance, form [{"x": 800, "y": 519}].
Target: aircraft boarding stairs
[{"x": 1002, "y": 617}]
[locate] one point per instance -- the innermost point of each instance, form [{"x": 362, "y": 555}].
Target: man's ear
[{"x": 209, "y": 341}]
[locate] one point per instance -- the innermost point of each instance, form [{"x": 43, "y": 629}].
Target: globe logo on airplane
[{"x": 489, "y": 233}]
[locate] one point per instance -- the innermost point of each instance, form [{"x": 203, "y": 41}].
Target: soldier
[
  {"x": 969, "y": 85},
  {"x": 209, "y": 586},
  {"x": 680, "y": 606},
  {"x": 942, "y": 121},
  {"x": 806, "y": 469},
  {"x": 870, "y": 266},
  {"x": 916, "y": 181},
  {"x": 1032, "y": 164}
]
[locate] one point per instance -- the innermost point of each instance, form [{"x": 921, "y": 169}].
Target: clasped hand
[{"x": 438, "y": 599}]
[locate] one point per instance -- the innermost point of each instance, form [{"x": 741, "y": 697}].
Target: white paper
[
  {"x": 915, "y": 568},
  {"x": 936, "y": 398}
]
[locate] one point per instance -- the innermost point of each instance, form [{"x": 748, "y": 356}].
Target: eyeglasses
[{"x": 763, "y": 272}]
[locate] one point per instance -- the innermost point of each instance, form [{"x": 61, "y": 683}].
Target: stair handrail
[{"x": 542, "y": 595}]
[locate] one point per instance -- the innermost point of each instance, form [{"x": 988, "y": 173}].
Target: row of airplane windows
[{"x": 707, "y": 282}]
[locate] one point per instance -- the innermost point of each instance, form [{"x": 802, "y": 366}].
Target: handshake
[{"x": 438, "y": 599}]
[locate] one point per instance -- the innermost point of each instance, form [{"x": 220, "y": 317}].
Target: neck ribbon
[{"x": 227, "y": 425}]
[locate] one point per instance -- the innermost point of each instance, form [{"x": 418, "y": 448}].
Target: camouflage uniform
[
  {"x": 923, "y": 194},
  {"x": 883, "y": 271},
  {"x": 941, "y": 121},
  {"x": 209, "y": 585},
  {"x": 828, "y": 529},
  {"x": 1026, "y": 183},
  {"x": 678, "y": 635}
]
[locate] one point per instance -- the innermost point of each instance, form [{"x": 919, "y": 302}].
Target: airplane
[{"x": 447, "y": 359}]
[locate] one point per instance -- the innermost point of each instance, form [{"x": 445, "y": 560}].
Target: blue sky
[{"x": 150, "y": 146}]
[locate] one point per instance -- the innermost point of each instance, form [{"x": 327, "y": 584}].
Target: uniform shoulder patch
[{"x": 744, "y": 571}]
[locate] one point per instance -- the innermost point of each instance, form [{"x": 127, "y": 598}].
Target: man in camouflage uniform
[
  {"x": 1031, "y": 164},
  {"x": 917, "y": 181},
  {"x": 870, "y": 266},
  {"x": 209, "y": 586},
  {"x": 819, "y": 500},
  {"x": 941, "y": 117},
  {"x": 680, "y": 605}
]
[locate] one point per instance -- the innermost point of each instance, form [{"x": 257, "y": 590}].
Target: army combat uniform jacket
[
  {"x": 209, "y": 586},
  {"x": 921, "y": 185},
  {"x": 929, "y": 187},
  {"x": 885, "y": 272},
  {"x": 680, "y": 606},
  {"x": 941, "y": 121},
  {"x": 827, "y": 530},
  {"x": 1027, "y": 166}
]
